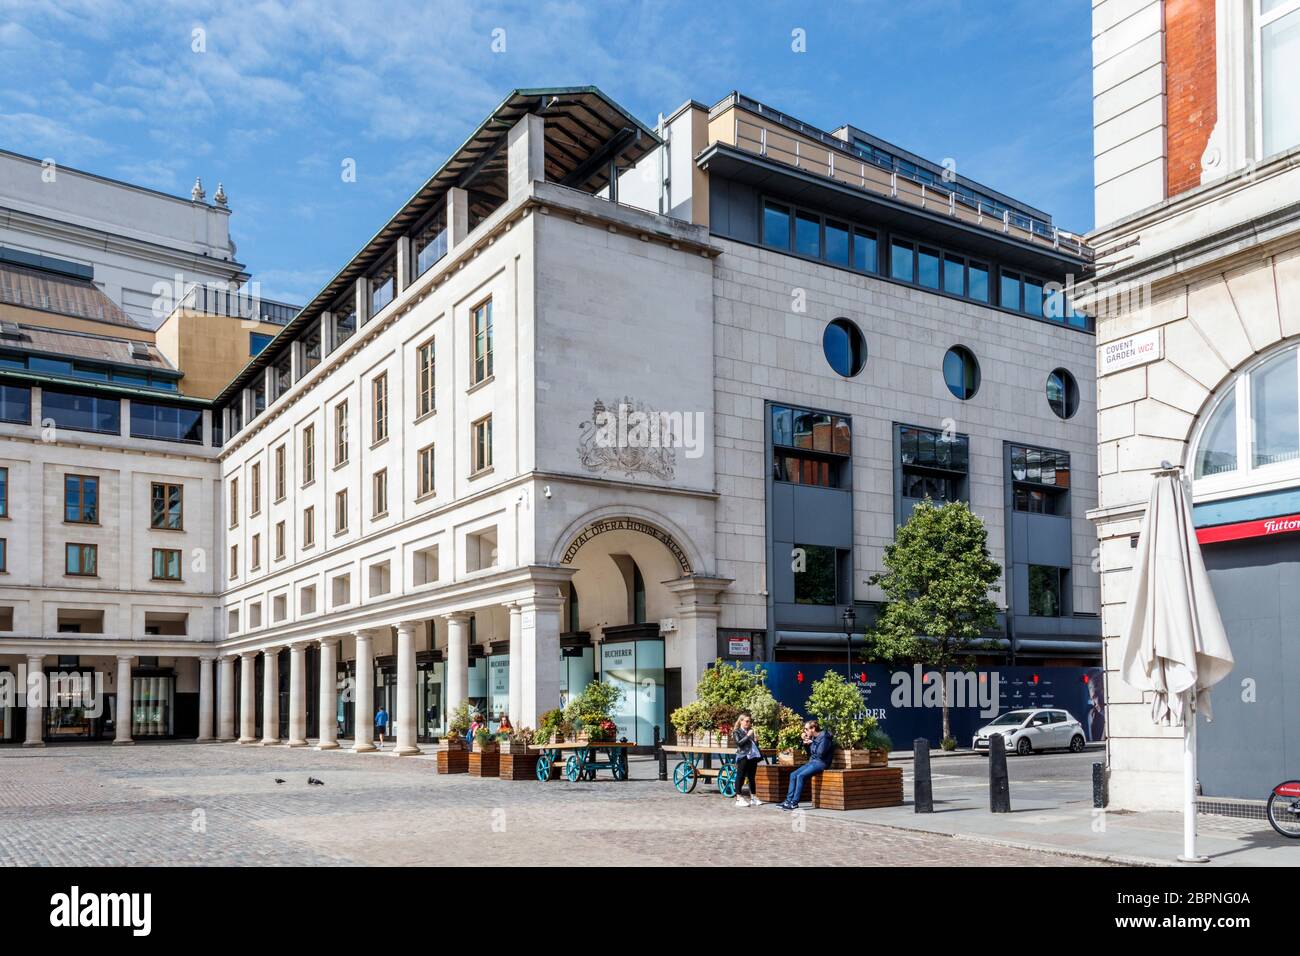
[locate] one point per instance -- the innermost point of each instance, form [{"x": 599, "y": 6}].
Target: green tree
[{"x": 937, "y": 579}]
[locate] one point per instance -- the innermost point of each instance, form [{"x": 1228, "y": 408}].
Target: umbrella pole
[{"x": 1189, "y": 784}]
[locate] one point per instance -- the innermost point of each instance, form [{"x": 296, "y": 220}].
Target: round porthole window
[
  {"x": 845, "y": 347},
  {"x": 1062, "y": 393},
  {"x": 961, "y": 372}
]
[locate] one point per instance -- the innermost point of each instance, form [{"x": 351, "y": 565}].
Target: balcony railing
[
  {"x": 879, "y": 173},
  {"x": 237, "y": 304}
]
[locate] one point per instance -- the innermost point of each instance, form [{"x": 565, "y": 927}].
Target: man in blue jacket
[{"x": 819, "y": 744}]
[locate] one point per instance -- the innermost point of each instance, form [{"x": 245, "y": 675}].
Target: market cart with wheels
[
  {"x": 580, "y": 760},
  {"x": 695, "y": 764}
]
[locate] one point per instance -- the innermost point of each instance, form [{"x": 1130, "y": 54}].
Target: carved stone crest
[{"x": 632, "y": 439}]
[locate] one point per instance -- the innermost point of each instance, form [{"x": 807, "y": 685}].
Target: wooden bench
[
  {"x": 453, "y": 761},
  {"x": 773, "y": 781},
  {"x": 484, "y": 764},
  {"x": 520, "y": 766},
  {"x": 857, "y": 789}
]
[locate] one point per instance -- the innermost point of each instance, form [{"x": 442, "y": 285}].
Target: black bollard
[
  {"x": 999, "y": 785},
  {"x": 661, "y": 754},
  {"x": 1099, "y": 795},
  {"x": 922, "y": 791}
]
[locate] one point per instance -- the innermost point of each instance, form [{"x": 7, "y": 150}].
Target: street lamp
[{"x": 850, "y": 619}]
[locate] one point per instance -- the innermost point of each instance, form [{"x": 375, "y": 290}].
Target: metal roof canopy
[
  {"x": 817, "y": 191},
  {"x": 586, "y": 131}
]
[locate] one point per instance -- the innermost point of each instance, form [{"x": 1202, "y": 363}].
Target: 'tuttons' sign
[{"x": 1139, "y": 349}]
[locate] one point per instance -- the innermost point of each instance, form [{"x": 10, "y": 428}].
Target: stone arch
[{"x": 690, "y": 554}]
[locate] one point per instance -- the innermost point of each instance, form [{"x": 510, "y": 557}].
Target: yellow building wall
[{"x": 209, "y": 349}]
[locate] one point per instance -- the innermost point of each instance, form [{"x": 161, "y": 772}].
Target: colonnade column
[
  {"x": 205, "y": 698},
  {"x": 226, "y": 713},
  {"x": 329, "y": 726},
  {"x": 122, "y": 718},
  {"x": 540, "y": 636},
  {"x": 247, "y": 698},
  {"x": 516, "y": 704},
  {"x": 298, "y": 694},
  {"x": 457, "y": 665},
  {"x": 364, "y": 696},
  {"x": 35, "y": 701},
  {"x": 406, "y": 733},
  {"x": 270, "y": 696},
  {"x": 697, "y": 625}
]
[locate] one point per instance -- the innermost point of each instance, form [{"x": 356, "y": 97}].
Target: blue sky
[{"x": 284, "y": 92}]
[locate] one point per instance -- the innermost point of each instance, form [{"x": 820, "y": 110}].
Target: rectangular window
[
  {"x": 977, "y": 277},
  {"x": 258, "y": 392},
  {"x": 379, "y": 493},
  {"x": 308, "y": 455},
  {"x": 82, "y": 413},
  {"x": 807, "y": 235},
  {"x": 311, "y": 349},
  {"x": 1040, "y": 479},
  {"x": 341, "y": 511},
  {"x": 864, "y": 251},
  {"x": 429, "y": 242},
  {"x": 1009, "y": 291},
  {"x": 810, "y": 448},
  {"x": 482, "y": 324},
  {"x": 424, "y": 368},
  {"x": 166, "y": 507},
  {"x": 1279, "y": 76},
  {"x": 80, "y": 499},
  {"x": 257, "y": 342},
  {"x": 279, "y": 541},
  {"x": 255, "y": 489},
  {"x": 1046, "y": 585},
  {"x": 776, "y": 226},
  {"x": 934, "y": 464},
  {"x": 341, "y": 433},
  {"x": 15, "y": 405},
  {"x": 902, "y": 261},
  {"x": 837, "y": 243},
  {"x": 383, "y": 287},
  {"x": 379, "y": 407},
  {"x": 1033, "y": 304},
  {"x": 166, "y": 564},
  {"x": 927, "y": 268},
  {"x": 308, "y": 527},
  {"x": 166, "y": 423},
  {"x": 282, "y": 373},
  {"x": 954, "y": 276},
  {"x": 4, "y": 492},
  {"x": 345, "y": 321},
  {"x": 425, "y": 479},
  {"x": 279, "y": 474},
  {"x": 81, "y": 560},
  {"x": 255, "y": 552},
  {"x": 481, "y": 444},
  {"x": 234, "y": 560},
  {"x": 4, "y": 566},
  {"x": 816, "y": 574}
]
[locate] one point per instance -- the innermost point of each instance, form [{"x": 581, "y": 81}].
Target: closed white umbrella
[{"x": 1174, "y": 644}]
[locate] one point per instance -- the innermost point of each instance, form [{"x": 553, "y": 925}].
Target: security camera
[{"x": 546, "y": 492}]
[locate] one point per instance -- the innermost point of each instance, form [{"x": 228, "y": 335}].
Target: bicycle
[{"x": 1284, "y": 809}]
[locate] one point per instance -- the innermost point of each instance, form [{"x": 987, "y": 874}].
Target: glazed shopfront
[{"x": 1246, "y": 471}]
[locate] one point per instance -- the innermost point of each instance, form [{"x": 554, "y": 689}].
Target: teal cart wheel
[
  {"x": 544, "y": 768},
  {"x": 620, "y": 765},
  {"x": 727, "y": 780},
  {"x": 572, "y": 768},
  {"x": 684, "y": 777}
]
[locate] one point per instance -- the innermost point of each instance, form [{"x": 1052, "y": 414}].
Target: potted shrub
[
  {"x": 458, "y": 728},
  {"x": 516, "y": 741},
  {"x": 688, "y": 721},
  {"x": 485, "y": 742},
  {"x": 591, "y": 711},
  {"x": 837, "y": 706},
  {"x": 789, "y": 740},
  {"x": 879, "y": 745}
]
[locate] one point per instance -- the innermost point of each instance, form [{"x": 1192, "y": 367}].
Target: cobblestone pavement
[{"x": 219, "y": 804}]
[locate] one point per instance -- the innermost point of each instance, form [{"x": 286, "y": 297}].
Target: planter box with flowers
[
  {"x": 518, "y": 761},
  {"x": 859, "y": 741},
  {"x": 452, "y": 754}
]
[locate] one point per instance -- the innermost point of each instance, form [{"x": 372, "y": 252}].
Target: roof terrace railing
[
  {"x": 877, "y": 173},
  {"x": 236, "y": 303}
]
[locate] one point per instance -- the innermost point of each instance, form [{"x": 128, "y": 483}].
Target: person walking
[
  {"x": 381, "y": 725},
  {"x": 819, "y": 744},
  {"x": 748, "y": 756}
]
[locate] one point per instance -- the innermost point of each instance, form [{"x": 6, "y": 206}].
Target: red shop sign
[{"x": 1265, "y": 527}]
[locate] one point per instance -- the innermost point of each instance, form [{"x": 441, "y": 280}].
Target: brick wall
[{"x": 1190, "y": 85}]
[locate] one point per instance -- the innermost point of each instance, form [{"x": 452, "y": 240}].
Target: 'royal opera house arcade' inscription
[{"x": 627, "y": 524}]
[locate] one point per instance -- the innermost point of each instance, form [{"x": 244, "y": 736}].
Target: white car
[{"x": 1025, "y": 731}]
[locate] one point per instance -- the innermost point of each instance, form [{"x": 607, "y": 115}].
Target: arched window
[{"x": 1251, "y": 433}]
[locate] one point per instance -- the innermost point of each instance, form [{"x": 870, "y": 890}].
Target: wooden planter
[
  {"x": 842, "y": 759},
  {"x": 772, "y": 781},
  {"x": 857, "y": 789},
  {"x": 792, "y": 758},
  {"x": 454, "y": 743},
  {"x": 879, "y": 758},
  {"x": 519, "y": 766},
  {"x": 511, "y": 747},
  {"x": 489, "y": 748},
  {"x": 484, "y": 763},
  {"x": 452, "y": 760}
]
